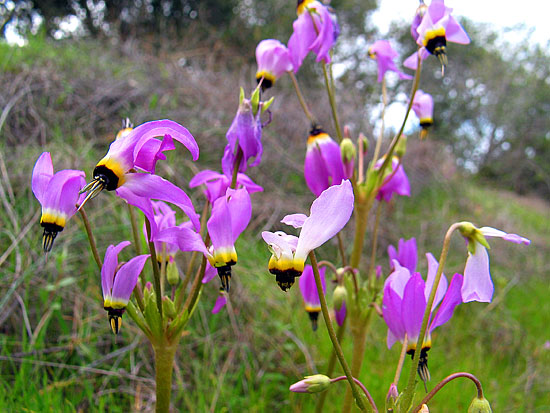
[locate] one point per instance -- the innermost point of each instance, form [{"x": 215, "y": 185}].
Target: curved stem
[
  {"x": 337, "y": 348},
  {"x": 342, "y": 249},
  {"x": 90, "y": 235},
  {"x": 332, "y": 102},
  {"x": 154, "y": 263},
  {"x": 402, "y": 356},
  {"x": 409, "y": 390},
  {"x": 362, "y": 386},
  {"x": 301, "y": 98},
  {"x": 445, "y": 381},
  {"x": 330, "y": 367}
]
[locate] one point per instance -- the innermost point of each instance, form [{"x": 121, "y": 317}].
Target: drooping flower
[
  {"x": 230, "y": 216},
  {"x": 405, "y": 255},
  {"x": 348, "y": 154},
  {"x": 404, "y": 303},
  {"x": 383, "y": 53},
  {"x": 311, "y": 384},
  {"x": 58, "y": 195},
  {"x": 328, "y": 215},
  {"x": 217, "y": 184},
  {"x": 395, "y": 181},
  {"x": 340, "y": 315},
  {"x": 164, "y": 217},
  {"x": 273, "y": 61},
  {"x": 436, "y": 28},
  {"x": 313, "y": 31},
  {"x": 423, "y": 106},
  {"x": 139, "y": 149},
  {"x": 118, "y": 283},
  {"x": 478, "y": 285},
  {"x": 244, "y": 134},
  {"x": 308, "y": 288},
  {"x": 323, "y": 164}
]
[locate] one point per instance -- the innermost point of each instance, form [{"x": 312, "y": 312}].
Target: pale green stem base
[{"x": 164, "y": 365}]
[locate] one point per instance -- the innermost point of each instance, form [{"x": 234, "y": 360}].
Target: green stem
[
  {"x": 238, "y": 161},
  {"x": 195, "y": 288},
  {"x": 408, "y": 394},
  {"x": 135, "y": 232},
  {"x": 342, "y": 249},
  {"x": 362, "y": 208},
  {"x": 301, "y": 99},
  {"x": 164, "y": 365},
  {"x": 362, "y": 386},
  {"x": 371, "y": 273},
  {"x": 90, "y": 235},
  {"x": 337, "y": 348},
  {"x": 154, "y": 263},
  {"x": 382, "y": 115},
  {"x": 330, "y": 367},
  {"x": 332, "y": 102},
  {"x": 445, "y": 381}
]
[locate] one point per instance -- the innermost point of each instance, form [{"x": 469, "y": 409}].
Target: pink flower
[
  {"x": 273, "y": 61},
  {"x": 383, "y": 53}
]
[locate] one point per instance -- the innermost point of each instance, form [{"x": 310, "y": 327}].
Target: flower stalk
[
  {"x": 156, "y": 273},
  {"x": 91, "y": 239},
  {"x": 337, "y": 348}
]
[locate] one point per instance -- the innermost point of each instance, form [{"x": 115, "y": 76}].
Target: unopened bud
[
  {"x": 364, "y": 142},
  {"x": 168, "y": 307},
  {"x": 172, "y": 273},
  {"x": 401, "y": 146},
  {"x": 347, "y": 149},
  {"x": 473, "y": 235},
  {"x": 339, "y": 296},
  {"x": 424, "y": 409},
  {"x": 480, "y": 406},
  {"x": 311, "y": 384}
]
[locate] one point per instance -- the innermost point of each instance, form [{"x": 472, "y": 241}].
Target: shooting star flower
[{"x": 273, "y": 61}]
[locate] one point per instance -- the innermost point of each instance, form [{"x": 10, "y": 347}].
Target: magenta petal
[
  {"x": 329, "y": 214},
  {"x": 323, "y": 164},
  {"x": 220, "y": 303},
  {"x": 240, "y": 209},
  {"x": 110, "y": 262},
  {"x": 303, "y": 35},
  {"x": 294, "y": 220},
  {"x": 477, "y": 285},
  {"x": 219, "y": 225},
  {"x": 451, "y": 300},
  {"x": 184, "y": 237},
  {"x": 391, "y": 312},
  {"x": 308, "y": 287},
  {"x": 149, "y": 130},
  {"x": 406, "y": 254},
  {"x": 398, "y": 279},
  {"x": 454, "y": 32},
  {"x": 127, "y": 277},
  {"x": 325, "y": 39},
  {"x": 152, "y": 151},
  {"x": 154, "y": 187},
  {"x": 413, "y": 306},
  {"x": 340, "y": 315},
  {"x": 441, "y": 288},
  {"x": 62, "y": 191},
  {"x": 41, "y": 175},
  {"x": 209, "y": 273},
  {"x": 272, "y": 57}
]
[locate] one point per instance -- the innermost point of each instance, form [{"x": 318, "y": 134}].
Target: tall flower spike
[
  {"x": 137, "y": 149},
  {"x": 273, "y": 61},
  {"x": 230, "y": 216},
  {"x": 323, "y": 165},
  {"x": 58, "y": 195},
  {"x": 245, "y": 133},
  {"x": 118, "y": 282},
  {"x": 313, "y": 31},
  {"x": 308, "y": 288},
  {"x": 436, "y": 28},
  {"x": 478, "y": 285},
  {"x": 329, "y": 213},
  {"x": 404, "y": 303},
  {"x": 423, "y": 106},
  {"x": 383, "y": 53}
]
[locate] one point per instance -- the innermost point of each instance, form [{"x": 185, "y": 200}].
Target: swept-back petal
[
  {"x": 221, "y": 301},
  {"x": 294, "y": 220},
  {"x": 240, "y": 209},
  {"x": 329, "y": 214},
  {"x": 152, "y": 151},
  {"x": 398, "y": 279},
  {"x": 441, "y": 288},
  {"x": 391, "y": 312},
  {"x": 308, "y": 287},
  {"x": 413, "y": 306},
  {"x": 477, "y": 285},
  {"x": 184, "y": 237},
  {"x": 126, "y": 279},
  {"x": 110, "y": 262},
  {"x": 41, "y": 175},
  {"x": 451, "y": 300}
]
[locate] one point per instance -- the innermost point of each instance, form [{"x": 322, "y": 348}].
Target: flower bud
[
  {"x": 424, "y": 409},
  {"x": 347, "y": 149},
  {"x": 168, "y": 307},
  {"x": 172, "y": 273},
  {"x": 473, "y": 235},
  {"x": 480, "y": 406},
  {"x": 401, "y": 147},
  {"x": 364, "y": 142},
  {"x": 339, "y": 296},
  {"x": 311, "y": 384}
]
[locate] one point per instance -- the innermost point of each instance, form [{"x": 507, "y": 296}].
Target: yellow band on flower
[
  {"x": 266, "y": 75},
  {"x": 50, "y": 216},
  {"x": 115, "y": 167},
  {"x": 432, "y": 34},
  {"x": 302, "y": 6}
]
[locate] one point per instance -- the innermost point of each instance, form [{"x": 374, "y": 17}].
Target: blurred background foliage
[{"x": 88, "y": 64}]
